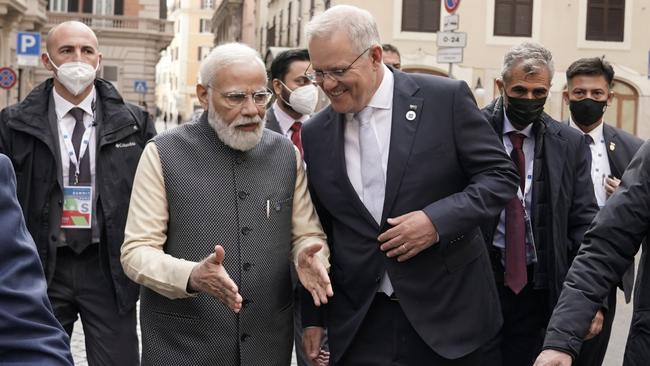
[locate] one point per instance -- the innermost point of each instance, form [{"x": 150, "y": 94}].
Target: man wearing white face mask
[
  {"x": 296, "y": 96},
  {"x": 296, "y": 100},
  {"x": 75, "y": 145}
]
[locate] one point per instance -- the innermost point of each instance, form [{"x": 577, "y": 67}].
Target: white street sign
[
  {"x": 451, "y": 22},
  {"x": 449, "y": 55},
  {"x": 451, "y": 39}
]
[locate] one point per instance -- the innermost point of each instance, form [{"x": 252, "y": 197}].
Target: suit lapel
[
  {"x": 616, "y": 164},
  {"x": 401, "y": 137},
  {"x": 272, "y": 122},
  {"x": 337, "y": 142}
]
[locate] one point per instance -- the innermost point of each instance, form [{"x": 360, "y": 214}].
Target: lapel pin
[
  {"x": 410, "y": 115},
  {"x": 612, "y": 146},
  {"x": 413, "y": 107}
]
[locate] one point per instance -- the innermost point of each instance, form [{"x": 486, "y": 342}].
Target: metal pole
[
  {"x": 20, "y": 83},
  {"x": 449, "y": 74}
]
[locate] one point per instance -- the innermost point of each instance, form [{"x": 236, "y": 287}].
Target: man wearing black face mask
[
  {"x": 533, "y": 241},
  {"x": 588, "y": 95}
]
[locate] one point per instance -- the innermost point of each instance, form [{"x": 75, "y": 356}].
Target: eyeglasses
[
  {"x": 318, "y": 76},
  {"x": 237, "y": 98}
]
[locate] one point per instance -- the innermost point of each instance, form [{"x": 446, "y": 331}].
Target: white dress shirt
[
  {"x": 529, "y": 154},
  {"x": 381, "y": 121},
  {"x": 599, "y": 161},
  {"x": 66, "y": 123},
  {"x": 286, "y": 121}
]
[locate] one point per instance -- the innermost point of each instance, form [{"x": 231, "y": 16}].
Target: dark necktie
[
  {"x": 79, "y": 239},
  {"x": 589, "y": 139},
  {"x": 516, "y": 275},
  {"x": 295, "y": 136}
]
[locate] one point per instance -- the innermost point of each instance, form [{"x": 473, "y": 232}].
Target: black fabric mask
[
  {"x": 587, "y": 111},
  {"x": 522, "y": 111}
]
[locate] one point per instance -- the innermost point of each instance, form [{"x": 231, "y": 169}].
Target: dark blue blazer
[
  {"x": 29, "y": 332},
  {"x": 448, "y": 162}
]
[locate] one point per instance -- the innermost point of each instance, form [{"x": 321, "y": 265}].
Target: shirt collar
[
  {"x": 383, "y": 98},
  {"x": 508, "y": 127},
  {"x": 596, "y": 133},
  {"x": 284, "y": 120},
  {"x": 62, "y": 106}
]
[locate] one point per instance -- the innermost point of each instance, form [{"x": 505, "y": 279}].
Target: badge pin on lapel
[
  {"x": 612, "y": 146},
  {"x": 410, "y": 115}
]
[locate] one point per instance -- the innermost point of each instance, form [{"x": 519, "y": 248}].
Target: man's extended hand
[
  {"x": 411, "y": 233},
  {"x": 551, "y": 357},
  {"x": 313, "y": 275},
  {"x": 596, "y": 325},
  {"x": 311, "y": 342},
  {"x": 211, "y": 277}
]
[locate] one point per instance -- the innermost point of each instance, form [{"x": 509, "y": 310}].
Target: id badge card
[{"x": 77, "y": 207}]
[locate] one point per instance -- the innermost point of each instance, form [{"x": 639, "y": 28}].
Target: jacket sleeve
[
  {"x": 29, "y": 332},
  {"x": 493, "y": 179},
  {"x": 607, "y": 251}
]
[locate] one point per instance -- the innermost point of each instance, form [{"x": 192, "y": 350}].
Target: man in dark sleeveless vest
[{"x": 220, "y": 207}]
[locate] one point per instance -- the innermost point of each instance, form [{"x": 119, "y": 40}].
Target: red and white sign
[
  {"x": 451, "y": 5},
  {"x": 7, "y": 78}
]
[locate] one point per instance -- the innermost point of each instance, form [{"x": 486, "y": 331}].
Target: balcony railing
[{"x": 119, "y": 23}]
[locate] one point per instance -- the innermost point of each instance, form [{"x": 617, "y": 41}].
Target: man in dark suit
[
  {"x": 588, "y": 95},
  {"x": 533, "y": 241},
  {"x": 402, "y": 169},
  {"x": 606, "y": 254},
  {"x": 75, "y": 145},
  {"x": 29, "y": 332},
  {"x": 295, "y": 100}
]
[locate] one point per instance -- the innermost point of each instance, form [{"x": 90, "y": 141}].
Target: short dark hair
[
  {"x": 387, "y": 47},
  {"x": 592, "y": 66},
  {"x": 281, "y": 62}
]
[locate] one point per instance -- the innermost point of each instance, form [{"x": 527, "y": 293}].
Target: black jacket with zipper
[{"x": 29, "y": 136}]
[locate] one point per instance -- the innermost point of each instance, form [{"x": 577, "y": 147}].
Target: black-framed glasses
[
  {"x": 318, "y": 76},
  {"x": 237, "y": 98}
]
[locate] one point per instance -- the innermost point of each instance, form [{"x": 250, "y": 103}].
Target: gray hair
[
  {"x": 532, "y": 56},
  {"x": 358, "y": 24},
  {"x": 226, "y": 55}
]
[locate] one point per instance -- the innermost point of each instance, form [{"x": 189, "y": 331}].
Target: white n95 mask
[
  {"x": 303, "y": 99},
  {"x": 75, "y": 76}
]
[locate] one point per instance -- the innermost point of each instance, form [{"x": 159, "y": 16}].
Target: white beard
[{"x": 230, "y": 135}]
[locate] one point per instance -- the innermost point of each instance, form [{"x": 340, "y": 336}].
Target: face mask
[
  {"x": 522, "y": 112},
  {"x": 587, "y": 111},
  {"x": 302, "y": 99},
  {"x": 75, "y": 76}
]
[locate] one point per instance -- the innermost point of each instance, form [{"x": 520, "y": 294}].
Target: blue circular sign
[
  {"x": 451, "y": 5},
  {"x": 7, "y": 78}
]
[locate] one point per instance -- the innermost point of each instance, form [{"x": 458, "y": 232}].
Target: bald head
[{"x": 67, "y": 30}]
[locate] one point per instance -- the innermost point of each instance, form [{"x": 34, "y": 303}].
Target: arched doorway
[{"x": 623, "y": 110}]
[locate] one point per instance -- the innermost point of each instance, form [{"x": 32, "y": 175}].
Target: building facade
[
  {"x": 17, "y": 16},
  {"x": 234, "y": 21},
  {"x": 131, "y": 34},
  {"x": 571, "y": 29},
  {"x": 178, "y": 68}
]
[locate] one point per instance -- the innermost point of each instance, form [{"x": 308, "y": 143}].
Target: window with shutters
[
  {"x": 60, "y": 6},
  {"x": 204, "y": 26},
  {"x": 513, "y": 18},
  {"x": 605, "y": 20},
  {"x": 420, "y": 15}
]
